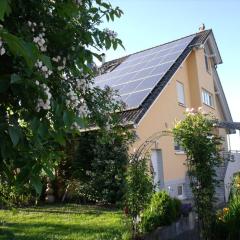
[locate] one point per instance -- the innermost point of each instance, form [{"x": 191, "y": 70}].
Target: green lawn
[{"x": 62, "y": 222}]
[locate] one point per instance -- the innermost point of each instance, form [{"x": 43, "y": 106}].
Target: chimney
[{"x": 202, "y": 27}]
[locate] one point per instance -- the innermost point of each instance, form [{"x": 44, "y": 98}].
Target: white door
[{"x": 157, "y": 164}]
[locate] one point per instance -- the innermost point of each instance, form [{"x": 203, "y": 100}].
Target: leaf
[
  {"x": 4, "y": 83},
  {"x": 108, "y": 43},
  {"x": 115, "y": 44},
  {"x": 59, "y": 138},
  {"x": 21, "y": 48},
  {"x": 42, "y": 130},
  {"x": 15, "y": 78},
  {"x": 49, "y": 172},
  {"x": 35, "y": 124},
  {"x": 36, "y": 182},
  {"x": 46, "y": 60},
  {"x": 14, "y": 133},
  {"x": 68, "y": 118},
  {"x": 4, "y": 8}
]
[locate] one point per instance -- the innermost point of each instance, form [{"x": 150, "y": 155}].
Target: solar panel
[{"x": 135, "y": 78}]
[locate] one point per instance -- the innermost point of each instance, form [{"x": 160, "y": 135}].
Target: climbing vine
[{"x": 203, "y": 149}]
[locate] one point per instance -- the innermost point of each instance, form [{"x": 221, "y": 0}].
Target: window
[
  {"x": 180, "y": 190},
  {"x": 178, "y": 147},
  {"x": 206, "y": 63},
  {"x": 207, "y": 98},
  {"x": 180, "y": 93}
]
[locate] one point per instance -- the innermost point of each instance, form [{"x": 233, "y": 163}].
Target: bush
[
  {"x": 228, "y": 221},
  {"x": 235, "y": 186},
  {"x": 162, "y": 210},
  {"x": 11, "y": 196}
]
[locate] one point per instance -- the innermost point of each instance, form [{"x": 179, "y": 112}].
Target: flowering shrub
[
  {"x": 46, "y": 87},
  {"x": 227, "y": 224},
  {"x": 235, "y": 186}
]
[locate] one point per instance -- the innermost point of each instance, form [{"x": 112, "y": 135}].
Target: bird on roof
[{"x": 202, "y": 27}]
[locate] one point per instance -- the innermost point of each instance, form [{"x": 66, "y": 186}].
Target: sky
[{"x": 147, "y": 23}]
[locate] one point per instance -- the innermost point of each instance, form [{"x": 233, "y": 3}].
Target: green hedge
[{"x": 162, "y": 210}]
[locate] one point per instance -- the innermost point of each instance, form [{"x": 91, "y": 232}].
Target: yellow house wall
[{"x": 166, "y": 109}]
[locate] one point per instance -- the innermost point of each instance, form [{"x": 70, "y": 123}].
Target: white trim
[
  {"x": 156, "y": 99},
  {"x": 211, "y": 42},
  {"x": 222, "y": 98},
  {"x": 180, "y": 152}
]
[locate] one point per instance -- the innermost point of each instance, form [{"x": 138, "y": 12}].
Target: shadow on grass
[
  {"x": 72, "y": 209},
  {"x": 42, "y": 231}
]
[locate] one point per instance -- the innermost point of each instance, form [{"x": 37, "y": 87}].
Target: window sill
[
  {"x": 181, "y": 104},
  {"x": 181, "y": 197},
  {"x": 212, "y": 107},
  {"x": 180, "y": 153}
]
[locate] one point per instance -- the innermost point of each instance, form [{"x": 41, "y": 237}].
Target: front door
[{"x": 157, "y": 164}]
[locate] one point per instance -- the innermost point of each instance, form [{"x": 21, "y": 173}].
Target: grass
[{"x": 62, "y": 222}]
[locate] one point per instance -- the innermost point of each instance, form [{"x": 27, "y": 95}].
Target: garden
[{"x": 65, "y": 167}]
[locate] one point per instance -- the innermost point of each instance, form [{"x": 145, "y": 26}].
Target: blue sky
[{"x": 147, "y": 23}]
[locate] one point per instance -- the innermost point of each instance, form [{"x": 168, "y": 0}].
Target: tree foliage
[
  {"x": 196, "y": 135},
  {"x": 98, "y": 164},
  {"x": 46, "y": 93}
]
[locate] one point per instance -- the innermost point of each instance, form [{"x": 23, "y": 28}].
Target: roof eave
[{"x": 211, "y": 41}]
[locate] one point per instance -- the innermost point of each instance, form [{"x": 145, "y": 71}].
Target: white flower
[
  {"x": 29, "y": 23},
  {"x": 36, "y": 39},
  {"x": 60, "y": 68},
  {"x": 43, "y": 49},
  {"x": 44, "y": 105},
  {"x": 44, "y": 69},
  {"x": 2, "y": 51},
  {"x": 55, "y": 59},
  {"x": 37, "y": 82}
]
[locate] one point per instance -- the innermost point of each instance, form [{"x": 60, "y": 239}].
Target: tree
[
  {"x": 47, "y": 94},
  {"x": 95, "y": 170},
  {"x": 196, "y": 135}
]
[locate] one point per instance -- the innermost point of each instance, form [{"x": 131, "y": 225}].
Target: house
[{"x": 157, "y": 85}]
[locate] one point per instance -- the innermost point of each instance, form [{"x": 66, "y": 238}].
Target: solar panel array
[{"x": 135, "y": 78}]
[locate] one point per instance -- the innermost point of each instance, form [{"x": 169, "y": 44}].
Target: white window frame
[
  {"x": 182, "y": 194},
  {"x": 207, "y": 98},
  {"x": 178, "y": 148},
  {"x": 180, "y": 93}
]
